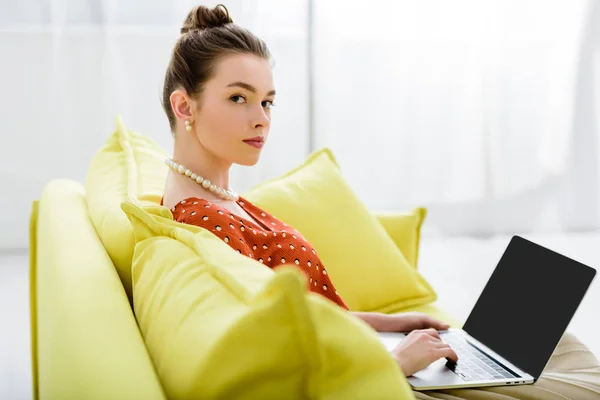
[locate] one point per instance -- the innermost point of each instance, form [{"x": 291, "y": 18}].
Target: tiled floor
[{"x": 447, "y": 264}]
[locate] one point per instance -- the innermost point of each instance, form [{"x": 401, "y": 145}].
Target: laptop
[{"x": 517, "y": 322}]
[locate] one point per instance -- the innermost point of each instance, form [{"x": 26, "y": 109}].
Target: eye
[
  {"x": 238, "y": 99},
  {"x": 268, "y": 104}
]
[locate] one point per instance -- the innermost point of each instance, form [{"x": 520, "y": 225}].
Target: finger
[
  {"x": 437, "y": 324},
  {"x": 431, "y": 332},
  {"x": 440, "y": 344},
  {"x": 448, "y": 353},
  {"x": 441, "y": 325}
]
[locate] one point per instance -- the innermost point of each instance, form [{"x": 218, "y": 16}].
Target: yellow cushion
[
  {"x": 405, "y": 230},
  {"x": 367, "y": 268},
  {"x": 128, "y": 167},
  {"x": 221, "y": 325},
  {"x": 131, "y": 167}
]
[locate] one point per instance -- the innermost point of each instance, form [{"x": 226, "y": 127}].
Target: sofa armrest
[
  {"x": 405, "y": 230},
  {"x": 85, "y": 340}
]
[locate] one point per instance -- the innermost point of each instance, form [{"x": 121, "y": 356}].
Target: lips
[
  {"x": 256, "y": 142},
  {"x": 256, "y": 139}
]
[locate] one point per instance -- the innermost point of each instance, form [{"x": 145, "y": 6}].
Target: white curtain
[{"x": 483, "y": 111}]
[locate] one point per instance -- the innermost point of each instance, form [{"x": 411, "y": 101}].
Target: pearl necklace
[{"x": 205, "y": 183}]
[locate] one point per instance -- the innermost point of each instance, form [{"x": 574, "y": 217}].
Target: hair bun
[{"x": 202, "y": 17}]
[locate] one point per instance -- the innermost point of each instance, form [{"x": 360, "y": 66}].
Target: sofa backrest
[{"x": 85, "y": 340}]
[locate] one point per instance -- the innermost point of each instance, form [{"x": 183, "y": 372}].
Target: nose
[{"x": 261, "y": 119}]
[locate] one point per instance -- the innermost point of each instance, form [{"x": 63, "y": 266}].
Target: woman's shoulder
[
  {"x": 191, "y": 202},
  {"x": 253, "y": 208},
  {"x": 192, "y": 206},
  {"x": 174, "y": 201}
]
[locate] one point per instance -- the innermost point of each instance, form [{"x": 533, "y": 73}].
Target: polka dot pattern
[{"x": 263, "y": 238}]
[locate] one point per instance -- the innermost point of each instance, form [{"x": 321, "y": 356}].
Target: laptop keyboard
[{"x": 473, "y": 364}]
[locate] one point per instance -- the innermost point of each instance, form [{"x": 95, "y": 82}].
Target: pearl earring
[{"x": 188, "y": 127}]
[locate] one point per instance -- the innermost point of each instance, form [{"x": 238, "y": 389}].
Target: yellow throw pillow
[
  {"x": 129, "y": 167},
  {"x": 367, "y": 268},
  {"x": 405, "y": 230},
  {"x": 218, "y": 324}
]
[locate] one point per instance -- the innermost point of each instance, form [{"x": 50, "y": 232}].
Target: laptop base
[{"x": 438, "y": 376}]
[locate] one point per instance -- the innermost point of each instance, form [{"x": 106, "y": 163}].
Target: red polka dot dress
[{"x": 269, "y": 241}]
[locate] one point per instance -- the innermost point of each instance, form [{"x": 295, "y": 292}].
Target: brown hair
[{"x": 206, "y": 36}]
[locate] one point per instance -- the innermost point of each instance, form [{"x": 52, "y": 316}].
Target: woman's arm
[
  {"x": 402, "y": 322},
  {"x": 378, "y": 321}
]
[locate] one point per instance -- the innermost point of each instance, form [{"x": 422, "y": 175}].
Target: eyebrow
[{"x": 249, "y": 87}]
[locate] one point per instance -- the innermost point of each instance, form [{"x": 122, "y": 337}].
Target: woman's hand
[
  {"x": 419, "y": 349},
  {"x": 410, "y": 321}
]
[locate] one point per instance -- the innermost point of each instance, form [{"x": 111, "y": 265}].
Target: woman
[{"x": 218, "y": 95}]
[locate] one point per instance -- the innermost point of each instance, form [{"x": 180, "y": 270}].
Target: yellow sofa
[{"x": 86, "y": 343}]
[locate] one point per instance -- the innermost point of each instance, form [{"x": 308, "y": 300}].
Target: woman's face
[{"x": 234, "y": 109}]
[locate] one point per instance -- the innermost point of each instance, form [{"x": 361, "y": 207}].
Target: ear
[{"x": 183, "y": 106}]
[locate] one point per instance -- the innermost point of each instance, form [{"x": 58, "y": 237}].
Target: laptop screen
[{"x": 527, "y": 304}]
